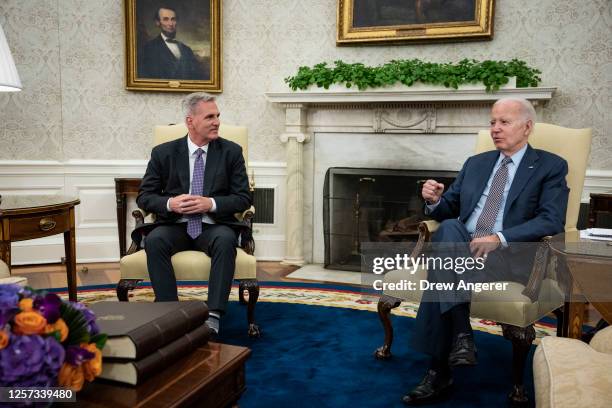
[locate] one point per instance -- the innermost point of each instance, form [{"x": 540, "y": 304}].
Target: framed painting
[
  {"x": 398, "y": 21},
  {"x": 173, "y": 45}
]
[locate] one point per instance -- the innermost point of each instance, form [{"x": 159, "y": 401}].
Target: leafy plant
[{"x": 492, "y": 74}]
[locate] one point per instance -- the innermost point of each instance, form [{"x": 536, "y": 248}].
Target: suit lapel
[
  {"x": 484, "y": 167},
  {"x": 524, "y": 172},
  {"x": 182, "y": 154},
  {"x": 210, "y": 170}
]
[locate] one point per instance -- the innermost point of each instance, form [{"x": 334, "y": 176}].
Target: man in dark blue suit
[
  {"x": 501, "y": 198},
  {"x": 165, "y": 57},
  {"x": 195, "y": 185}
]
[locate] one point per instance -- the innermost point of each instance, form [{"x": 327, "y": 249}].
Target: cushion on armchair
[
  {"x": 188, "y": 265},
  {"x": 6, "y": 278},
  {"x": 571, "y": 373}
]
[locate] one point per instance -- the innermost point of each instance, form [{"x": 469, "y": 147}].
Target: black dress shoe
[
  {"x": 463, "y": 352},
  {"x": 434, "y": 387}
]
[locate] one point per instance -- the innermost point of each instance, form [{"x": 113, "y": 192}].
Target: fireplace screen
[{"x": 363, "y": 206}]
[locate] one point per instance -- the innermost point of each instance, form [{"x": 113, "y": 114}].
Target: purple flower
[
  {"x": 76, "y": 355},
  {"x": 54, "y": 355},
  {"x": 6, "y": 314},
  {"x": 9, "y": 302},
  {"x": 48, "y": 306},
  {"x": 23, "y": 357},
  {"x": 90, "y": 317}
]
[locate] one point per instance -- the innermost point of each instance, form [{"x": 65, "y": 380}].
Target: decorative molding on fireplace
[{"x": 405, "y": 120}]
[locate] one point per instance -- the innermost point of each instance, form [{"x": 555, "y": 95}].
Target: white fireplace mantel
[
  {"x": 418, "y": 110},
  {"x": 343, "y": 95}
]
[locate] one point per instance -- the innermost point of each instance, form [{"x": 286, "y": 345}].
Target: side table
[
  {"x": 24, "y": 217},
  {"x": 600, "y": 206},
  {"x": 586, "y": 266},
  {"x": 123, "y": 187}
]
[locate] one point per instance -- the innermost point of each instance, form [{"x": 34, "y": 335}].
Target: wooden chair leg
[
  {"x": 521, "y": 338},
  {"x": 385, "y": 304},
  {"x": 124, "y": 287},
  {"x": 251, "y": 286},
  {"x": 560, "y": 315}
]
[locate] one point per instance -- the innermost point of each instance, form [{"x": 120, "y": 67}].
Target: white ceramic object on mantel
[{"x": 399, "y": 87}]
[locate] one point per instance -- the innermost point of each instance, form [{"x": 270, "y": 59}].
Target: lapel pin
[{"x": 531, "y": 167}]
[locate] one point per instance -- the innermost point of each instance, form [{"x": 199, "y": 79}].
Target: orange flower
[
  {"x": 29, "y": 323},
  {"x": 71, "y": 376},
  {"x": 26, "y": 304},
  {"x": 59, "y": 326},
  {"x": 93, "y": 367},
  {"x": 4, "y": 339}
]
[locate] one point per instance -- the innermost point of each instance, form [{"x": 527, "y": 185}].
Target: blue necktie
[
  {"x": 486, "y": 220},
  {"x": 194, "y": 221}
]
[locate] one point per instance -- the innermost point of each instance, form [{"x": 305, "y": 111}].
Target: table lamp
[{"x": 9, "y": 78}]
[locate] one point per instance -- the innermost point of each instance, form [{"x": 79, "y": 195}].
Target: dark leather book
[
  {"x": 136, "y": 329},
  {"x": 134, "y": 372}
]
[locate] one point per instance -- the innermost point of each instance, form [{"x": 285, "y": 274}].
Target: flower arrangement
[{"x": 45, "y": 341}]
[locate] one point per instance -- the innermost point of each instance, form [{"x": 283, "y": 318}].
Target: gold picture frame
[
  {"x": 173, "y": 46},
  {"x": 400, "y": 21}
]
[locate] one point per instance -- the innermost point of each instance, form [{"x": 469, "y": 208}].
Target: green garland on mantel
[{"x": 492, "y": 74}]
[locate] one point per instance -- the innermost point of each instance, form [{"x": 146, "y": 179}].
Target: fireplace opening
[{"x": 363, "y": 206}]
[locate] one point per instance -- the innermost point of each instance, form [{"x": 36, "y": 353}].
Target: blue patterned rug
[{"x": 317, "y": 349}]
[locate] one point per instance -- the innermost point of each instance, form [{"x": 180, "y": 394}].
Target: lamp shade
[{"x": 9, "y": 78}]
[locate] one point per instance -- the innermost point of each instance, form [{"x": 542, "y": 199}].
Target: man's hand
[
  {"x": 432, "y": 191},
  {"x": 190, "y": 204},
  {"x": 480, "y": 247}
]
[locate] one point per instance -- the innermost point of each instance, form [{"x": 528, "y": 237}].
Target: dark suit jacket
[
  {"x": 536, "y": 203},
  {"x": 157, "y": 61},
  {"x": 167, "y": 175}
]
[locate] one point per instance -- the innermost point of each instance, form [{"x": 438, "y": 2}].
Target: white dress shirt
[
  {"x": 192, "y": 147},
  {"x": 173, "y": 47},
  {"x": 470, "y": 223}
]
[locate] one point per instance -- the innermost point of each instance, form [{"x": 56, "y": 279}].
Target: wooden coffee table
[{"x": 211, "y": 376}]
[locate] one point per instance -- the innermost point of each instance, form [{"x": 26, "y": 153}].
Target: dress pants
[
  {"x": 433, "y": 327},
  {"x": 217, "y": 241}
]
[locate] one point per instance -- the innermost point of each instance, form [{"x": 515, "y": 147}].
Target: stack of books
[{"x": 145, "y": 337}]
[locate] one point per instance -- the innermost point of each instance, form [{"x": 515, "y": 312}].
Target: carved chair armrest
[
  {"x": 139, "y": 216},
  {"x": 247, "y": 243},
  {"x": 426, "y": 228},
  {"x": 539, "y": 270},
  {"x": 246, "y": 215}
]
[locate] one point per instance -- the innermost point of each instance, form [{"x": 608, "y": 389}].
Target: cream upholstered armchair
[
  {"x": 518, "y": 307},
  {"x": 195, "y": 265},
  {"x": 6, "y": 278},
  {"x": 569, "y": 373}
]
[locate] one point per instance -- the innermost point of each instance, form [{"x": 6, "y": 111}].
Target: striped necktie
[
  {"x": 486, "y": 220},
  {"x": 194, "y": 221}
]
